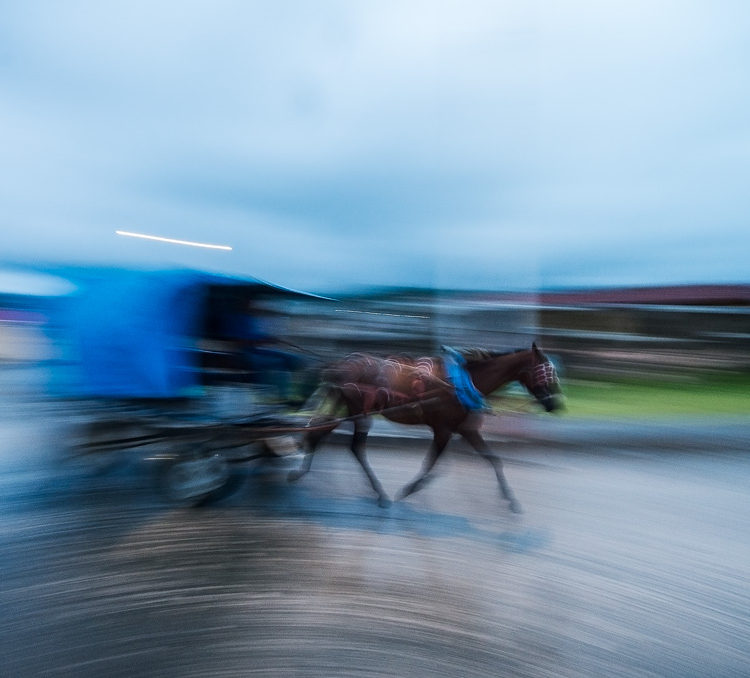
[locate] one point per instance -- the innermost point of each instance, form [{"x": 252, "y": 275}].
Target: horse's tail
[{"x": 325, "y": 401}]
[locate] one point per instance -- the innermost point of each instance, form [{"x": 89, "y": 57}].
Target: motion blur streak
[{"x": 631, "y": 559}]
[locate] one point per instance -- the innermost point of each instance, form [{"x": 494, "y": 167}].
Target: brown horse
[{"x": 417, "y": 391}]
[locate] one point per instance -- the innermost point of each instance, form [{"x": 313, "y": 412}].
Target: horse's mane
[{"x": 475, "y": 354}]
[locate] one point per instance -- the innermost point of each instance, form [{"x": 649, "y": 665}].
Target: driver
[{"x": 258, "y": 349}]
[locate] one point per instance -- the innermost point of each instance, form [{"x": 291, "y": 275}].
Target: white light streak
[
  {"x": 394, "y": 315},
  {"x": 173, "y": 241}
]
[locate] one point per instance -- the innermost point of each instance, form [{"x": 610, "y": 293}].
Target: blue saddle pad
[{"x": 466, "y": 392}]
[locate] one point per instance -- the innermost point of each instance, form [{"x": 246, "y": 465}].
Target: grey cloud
[{"x": 604, "y": 141}]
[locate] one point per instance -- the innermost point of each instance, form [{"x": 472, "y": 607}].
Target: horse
[{"x": 420, "y": 392}]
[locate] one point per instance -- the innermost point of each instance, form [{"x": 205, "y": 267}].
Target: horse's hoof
[
  {"x": 515, "y": 507},
  {"x": 384, "y": 502},
  {"x": 404, "y": 492}
]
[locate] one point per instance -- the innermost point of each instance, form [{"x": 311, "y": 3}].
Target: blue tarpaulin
[{"x": 132, "y": 334}]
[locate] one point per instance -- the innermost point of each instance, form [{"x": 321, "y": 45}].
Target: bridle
[
  {"x": 544, "y": 375},
  {"x": 544, "y": 382}
]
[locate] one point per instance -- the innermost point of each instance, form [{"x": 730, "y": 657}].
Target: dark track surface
[{"x": 623, "y": 564}]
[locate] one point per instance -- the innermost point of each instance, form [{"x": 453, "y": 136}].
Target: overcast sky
[{"x": 492, "y": 145}]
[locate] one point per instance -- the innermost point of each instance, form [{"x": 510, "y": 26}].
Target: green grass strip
[{"x": 720, "y": 395}]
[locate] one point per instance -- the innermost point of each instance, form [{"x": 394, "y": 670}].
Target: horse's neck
[{"x": 489, "y": 375}]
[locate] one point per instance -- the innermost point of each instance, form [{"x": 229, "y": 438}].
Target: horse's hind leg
[
  {"x": 439, "y": 443},
  {"x": 474, "y": 438},
  {"x": 310, "y": 444},
  {"x": 359, "y": 440}
]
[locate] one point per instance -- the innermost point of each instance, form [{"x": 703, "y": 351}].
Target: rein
[
  {"x": 524, "y": 406},
  {"x": 432, "y": 399}
]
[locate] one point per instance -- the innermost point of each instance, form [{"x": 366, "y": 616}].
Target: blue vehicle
[{"x": 149, "y": 362}]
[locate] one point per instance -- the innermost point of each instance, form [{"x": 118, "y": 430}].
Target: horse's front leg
[
  {"x": 440, "y": 440},
  {"x": 474, "y": 438},
  {"x": 359, "y": 442}
]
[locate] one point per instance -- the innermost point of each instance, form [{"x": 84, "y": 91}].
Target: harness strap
[{"x": 378, "y": 398}]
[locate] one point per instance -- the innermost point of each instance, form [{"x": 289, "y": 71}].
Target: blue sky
[{"x": 491, "y": 145}]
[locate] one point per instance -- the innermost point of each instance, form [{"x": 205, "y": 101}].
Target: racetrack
[{"x": 625, "y": 563}]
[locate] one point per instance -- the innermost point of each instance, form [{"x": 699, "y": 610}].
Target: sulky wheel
[{"x": 192, "y": 481}]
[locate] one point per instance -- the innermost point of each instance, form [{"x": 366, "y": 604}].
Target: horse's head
[{"x": 540, "y": 379}]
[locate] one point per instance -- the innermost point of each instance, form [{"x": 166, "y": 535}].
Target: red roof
[{"x": 691, "y": 295}]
